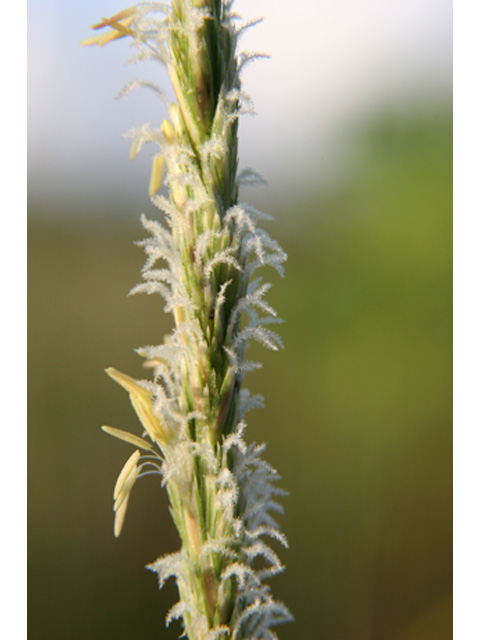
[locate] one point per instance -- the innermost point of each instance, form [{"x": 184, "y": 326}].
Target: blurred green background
[{"x": 358, "y": 406}]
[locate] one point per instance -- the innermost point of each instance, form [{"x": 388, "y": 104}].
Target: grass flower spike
[{"x": 203, "y": 255}]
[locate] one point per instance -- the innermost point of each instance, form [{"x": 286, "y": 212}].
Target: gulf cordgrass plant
[{"x": 203, "y": 256}]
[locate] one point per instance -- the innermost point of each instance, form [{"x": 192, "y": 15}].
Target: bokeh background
[{"x": 354, "y": 134}]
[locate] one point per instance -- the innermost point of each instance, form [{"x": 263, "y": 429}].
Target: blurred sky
[{"x": 333, "y": 63}]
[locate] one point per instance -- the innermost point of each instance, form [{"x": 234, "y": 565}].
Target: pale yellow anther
[
  {"x": 121, "y": 15},
  {"x": 179, "y": 195},
  {"x": 119, "y": 28},
  {"x": 174, "y": 113},
  {"x": 168, "y": 131},
  {"x": 156, "y": 177},
  {"x": 128, "y": 437},
  {"x": 123, "y": 487},
  {"x": 124, "y": 492},
  {"x": 129, "y": 466},
  {"x": 142, "y": 402},
  {"x": 133, "y": 151},
  {"x": 120, "y": 517},
  {"x": 151, "y": 363}
]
